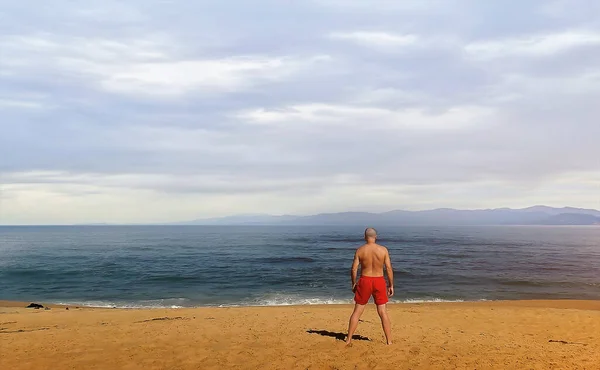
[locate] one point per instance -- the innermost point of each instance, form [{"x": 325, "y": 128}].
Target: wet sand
[{"x": 481, "y": 335}]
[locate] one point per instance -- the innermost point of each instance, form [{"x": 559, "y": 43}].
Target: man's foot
[
  {"x": 389, "y": 343},
  {"x": 348, "y": 344}
]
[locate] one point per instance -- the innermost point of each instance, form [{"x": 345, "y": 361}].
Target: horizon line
[{"x": 176, "y": 223}]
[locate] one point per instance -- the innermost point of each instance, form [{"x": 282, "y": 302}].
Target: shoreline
[
  {"x": 347, "y": 302},
  {"x": 537, "y": 334},
  {"x": 588, "y": 304}
]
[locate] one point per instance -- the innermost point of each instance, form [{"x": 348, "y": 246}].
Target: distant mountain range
[{"x": 537, "y": 215}]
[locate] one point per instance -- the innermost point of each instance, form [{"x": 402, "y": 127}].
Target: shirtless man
[{"x": 371, "y": 257}]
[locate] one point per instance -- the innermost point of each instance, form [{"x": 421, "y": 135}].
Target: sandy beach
[{"x": 481, "y": 335}]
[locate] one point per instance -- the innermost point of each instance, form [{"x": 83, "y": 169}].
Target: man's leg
[
  {"x": 385, "y": 322},
  {"x": 358, "y": 311}
]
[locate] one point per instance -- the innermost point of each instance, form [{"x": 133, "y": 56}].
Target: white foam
[
  {"x": 158, "y": 303},
  {"x": 281, "y": 299},
  {"x": 428, "y": 300},
  {"x": 272, "y": 299}
]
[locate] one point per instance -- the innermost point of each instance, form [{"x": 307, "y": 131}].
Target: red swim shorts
[{"x": 371, "y": 286}]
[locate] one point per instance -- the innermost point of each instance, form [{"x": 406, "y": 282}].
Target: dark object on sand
[
  {"x": 163, "y": 319},
  {"x": 67, "y": 308},
  {"x": 338, "y": 336},
  {"x": 35, "y": 305},
  {"x": 565, "y": 342},
  {"x": 47, "y": 308}
]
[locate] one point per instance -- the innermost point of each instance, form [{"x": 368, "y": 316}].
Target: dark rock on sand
[{"x": 35, "y": 305}]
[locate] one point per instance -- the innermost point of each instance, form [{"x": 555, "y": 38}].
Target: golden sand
[{"x": 483, "y": 335}]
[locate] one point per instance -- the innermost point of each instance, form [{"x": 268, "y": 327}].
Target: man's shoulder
[
  {"x": 362, "y": 248},
  {"x": 383, "y": 247}
]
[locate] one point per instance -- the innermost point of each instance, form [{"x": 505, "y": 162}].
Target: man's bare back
[{"x": 371, "y": 258}]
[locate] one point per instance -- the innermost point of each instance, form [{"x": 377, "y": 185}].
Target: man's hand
[
  {"x": 354, "y": 288},
  {"x": 391, "y": 291}
]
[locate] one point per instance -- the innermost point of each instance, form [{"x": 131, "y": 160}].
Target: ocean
[{"x": 188, "y": 266}]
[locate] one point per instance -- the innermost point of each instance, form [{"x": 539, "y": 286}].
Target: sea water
[{"x": 182, "y": 266}]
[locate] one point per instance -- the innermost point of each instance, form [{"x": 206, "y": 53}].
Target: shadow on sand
[{"x": 338, "y": 336}]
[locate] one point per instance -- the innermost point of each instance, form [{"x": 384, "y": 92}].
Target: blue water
[{"x": 173, "y": 266}]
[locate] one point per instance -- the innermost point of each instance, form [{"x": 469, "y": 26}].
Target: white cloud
[
  {"x": 349, "y": 116},
  {"x": 181, "y": 76},
  {"x": 20, "y": 104},
  {"x": 52, "y": 48},
  {"x": 536, "y": 45},
  {"x": 145, "y": 66},
  {"x": 376, "y": 39},
  {"x": 212, "y": 76}
]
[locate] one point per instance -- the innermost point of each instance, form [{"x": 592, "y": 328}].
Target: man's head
[{"x": 370, "y": 235}]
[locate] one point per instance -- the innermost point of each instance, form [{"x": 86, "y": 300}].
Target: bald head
[{"x": 370, "y": 234}]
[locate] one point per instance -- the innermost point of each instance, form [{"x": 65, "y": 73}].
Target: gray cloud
[{"x": 285, "y": 102}]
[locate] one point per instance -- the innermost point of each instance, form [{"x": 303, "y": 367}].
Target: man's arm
[
  {"x": 354, "y": 269},
  {"x": 390, "y": 272}
]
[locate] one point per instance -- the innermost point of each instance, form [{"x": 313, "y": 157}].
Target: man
[{"x": 371, "y": 257}]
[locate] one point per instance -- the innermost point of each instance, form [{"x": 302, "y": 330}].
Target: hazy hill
[{"x": 537, "y": 215}]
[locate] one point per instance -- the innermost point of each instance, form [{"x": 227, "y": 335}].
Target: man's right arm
[
  {"x": 390, "y": 273},
  {"x": 354, "y": 270}
]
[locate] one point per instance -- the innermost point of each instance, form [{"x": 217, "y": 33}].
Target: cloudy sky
[{"x": 156, "y": 110}]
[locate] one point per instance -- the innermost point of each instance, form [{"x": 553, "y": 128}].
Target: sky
[{"x": 157, "y": 111}]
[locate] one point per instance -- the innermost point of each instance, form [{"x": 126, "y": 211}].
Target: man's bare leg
[
  {"x": 385, "y": 322},
  {"x": 353, "y": 324}
]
